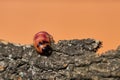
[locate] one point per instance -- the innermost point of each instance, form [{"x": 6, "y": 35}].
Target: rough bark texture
[{"x": 70, "y": 60}]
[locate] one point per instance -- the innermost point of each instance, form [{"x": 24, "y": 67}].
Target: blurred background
[{"x": 64, "y": 19}]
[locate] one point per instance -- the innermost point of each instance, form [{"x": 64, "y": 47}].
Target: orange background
[{"x": 64, "y": 19}]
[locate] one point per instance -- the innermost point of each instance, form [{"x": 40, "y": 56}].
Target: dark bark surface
[{"x": 70, "y": 60}]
